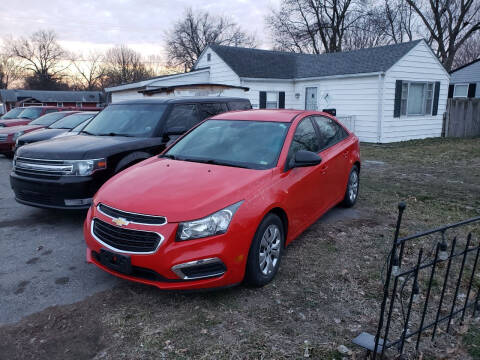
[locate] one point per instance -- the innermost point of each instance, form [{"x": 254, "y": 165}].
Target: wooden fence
[{"x": 462, "y": 118}]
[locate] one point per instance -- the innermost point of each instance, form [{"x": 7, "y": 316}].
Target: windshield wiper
[
  {"x": 86, "y": 132},
  {"x": 169, "y": 156},
  {"x": 115, "y": 134},
  {"x": 215, "y": 162}
]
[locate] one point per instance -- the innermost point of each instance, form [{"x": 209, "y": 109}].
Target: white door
[{"x": 311, "y": 98}]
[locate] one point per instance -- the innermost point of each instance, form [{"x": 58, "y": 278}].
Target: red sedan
[{"x": 221, "y": 204}]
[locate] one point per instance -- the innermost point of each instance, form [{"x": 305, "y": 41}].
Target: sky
[{"x": 84, "y": 25}]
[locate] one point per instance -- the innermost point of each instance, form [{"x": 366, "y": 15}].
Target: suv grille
[
  {"x": 135, "y": 241},
  {"x": 132, "y": 217},
  {"x": 42, "y": 167},
  {"x": 3, "y": 137}
]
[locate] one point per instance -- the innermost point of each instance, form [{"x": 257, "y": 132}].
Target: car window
[
  {"x": 239, "y": 105},
  {"x": 212, "y": 109},
  {"x": 305, "y": 138},
  {"x": 49, "y": 119},
  {"x": 184, "y": 115},
  {"x": 330, "y": 132},
  {"x": 71, "y": 121},
  {"x": 50, "y": 111}
]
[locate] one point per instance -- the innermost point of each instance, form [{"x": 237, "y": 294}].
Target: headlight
[
  {"x": 214, "y": 224},
  {"x": 17, "y": 135},
  {"x": 87, "y": 167}
]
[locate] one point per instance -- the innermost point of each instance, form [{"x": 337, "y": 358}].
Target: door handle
[
  {"x": 345, "y": 153},
  {"x": 323, "y": 169}
]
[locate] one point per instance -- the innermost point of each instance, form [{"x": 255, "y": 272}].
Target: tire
[
  {"x": 259, "y": 273},
  {"x": 353, "y": 186}
]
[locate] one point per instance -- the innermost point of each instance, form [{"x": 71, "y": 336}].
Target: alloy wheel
[{"x": 269, "y": 253}]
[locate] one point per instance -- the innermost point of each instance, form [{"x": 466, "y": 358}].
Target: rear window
[{"x": 239, "y": 105}]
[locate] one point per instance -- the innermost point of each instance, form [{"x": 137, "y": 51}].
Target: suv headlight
[
  {"x": 214, "y": 224},
  {"x": 17, "y": 135},
  {"x": 87, "y": 167}
]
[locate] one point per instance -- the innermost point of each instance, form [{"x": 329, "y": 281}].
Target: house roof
[
  {"x": 51, "y": 96},
  {"x": 468, "y": 73},
  {"x": 255, "y": 63}
]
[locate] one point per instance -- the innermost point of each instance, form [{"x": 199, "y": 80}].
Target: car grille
[
  {"x": 132, "y": 217},
  {"x": 42, "y": 167},
  {"x": 3, "y": 137},
  {"x": 135, "y": 241},
  {"x": 38, "y": 198}
]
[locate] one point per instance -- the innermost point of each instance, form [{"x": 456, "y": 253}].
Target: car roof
[
  {"x": 180, "y": 100},
  {"x": 277, "y": 115}
]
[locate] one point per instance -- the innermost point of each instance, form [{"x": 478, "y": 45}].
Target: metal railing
[
  {"x": 348, "y": 121},
  {"x": 439, "y": 263}
]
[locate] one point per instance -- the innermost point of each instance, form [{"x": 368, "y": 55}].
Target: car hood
[
  {"x": 14, "y": 129},
  {"x": 84, "y": 147},
  {"x": 41, "y": 135},
  {"x": 180, "y": 190}
]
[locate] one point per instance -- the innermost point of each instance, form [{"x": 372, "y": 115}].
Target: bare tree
[
  {"x": 10, "y": 71},
  {"x": 400, "y": 21},
  {"x": 368, "y": 31},
  {"x": 449, "y": 23},
  {"x": 314, "y": 26},
  {"x": 42, "y": 57},
  {"x": 469, "y": 52},
  {"x": 89, "y": 71},
  {"x": 191, "y": 35},
  {"x": 124, "y": 65}
]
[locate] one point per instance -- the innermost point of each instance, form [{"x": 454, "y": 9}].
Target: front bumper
[
  {"x": 7, "y": 147},
  {"x": 221, "y": 258},
  {"x": 54, "y": 192}
]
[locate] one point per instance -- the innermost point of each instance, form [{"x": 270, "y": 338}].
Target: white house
[
  {"x": 385, "y": 94},
  {"x": 465, "y": 81}
]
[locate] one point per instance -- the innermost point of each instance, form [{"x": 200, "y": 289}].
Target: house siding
[
  {"x": 220, "y": 72},
  {"x": 420, "y": 64},
  {"x": 469, "y": 74}
]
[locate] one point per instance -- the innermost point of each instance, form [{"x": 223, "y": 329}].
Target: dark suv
[{"x": 67, "y": 172}]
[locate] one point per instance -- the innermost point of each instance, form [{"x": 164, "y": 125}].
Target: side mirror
[
  {"x": 175, "y": 130},
  {"x": 305, "y": 158}
]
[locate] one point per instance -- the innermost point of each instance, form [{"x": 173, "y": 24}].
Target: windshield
[
  {"x": 138, "y": 120},
  {"x": 251, "y": 144},
  {"x": 30, "y": 113},
  {"x": 70, "y": 121},
  {"x": 12, "y": 114},
  {"x": 48, "y": 119},
  {"x": 80, "y": 126}
]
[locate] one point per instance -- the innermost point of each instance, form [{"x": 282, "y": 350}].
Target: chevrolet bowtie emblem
[{"x": 120, "y": 222}]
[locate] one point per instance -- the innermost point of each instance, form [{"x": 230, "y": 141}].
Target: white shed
[{"x": 384, "y": 94}]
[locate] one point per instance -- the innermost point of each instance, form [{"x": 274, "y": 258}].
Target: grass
[{"x": 327, "y": 291}]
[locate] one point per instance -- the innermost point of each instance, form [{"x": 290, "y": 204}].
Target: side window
[
  {"x": 182, "y": 116},
  {"x": 330, "y": 132},
  {"x": 305, "y": 138},
  {"x": 239, "y": 105},
  {"x": 212, "y": 109}
]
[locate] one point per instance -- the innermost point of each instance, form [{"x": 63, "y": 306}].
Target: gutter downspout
[{"x": 381, "y": 81}]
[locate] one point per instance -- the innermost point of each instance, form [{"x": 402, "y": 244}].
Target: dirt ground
[{"x": 327, "y": 291}]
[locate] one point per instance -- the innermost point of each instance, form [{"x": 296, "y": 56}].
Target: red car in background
[
  {"x": 31, "y": 113},
  {"x": 9, "y": 135},
  {"x": 219, "y": 206}
]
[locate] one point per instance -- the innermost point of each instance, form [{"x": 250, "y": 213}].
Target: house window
[
  {"x": 417, "y": 98},
  {"x": 460, "y": 91},
  {"x": 79, "y": 104},
  {"x": 272, "y": 100},
  {"x": 59, "y": 104},
  {"x": 209, "y": 57},
  {"x": 477, "y": 90}
]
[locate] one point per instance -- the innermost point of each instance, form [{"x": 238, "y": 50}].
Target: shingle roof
[
  {"x": 52, "y": 96},
  {"x": 255, "y": 63}
]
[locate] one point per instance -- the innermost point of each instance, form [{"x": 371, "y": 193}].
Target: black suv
[{"x": 66, "y": 172}]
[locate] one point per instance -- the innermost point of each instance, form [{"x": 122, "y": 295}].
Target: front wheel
[
  {"x": 353, "y": 184},
  {"x": 265, "y": 252}
]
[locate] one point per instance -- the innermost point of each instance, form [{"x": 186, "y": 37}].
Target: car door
[
  {"x": 304, "y": 185},
  {"x": 335, "y": 156}
]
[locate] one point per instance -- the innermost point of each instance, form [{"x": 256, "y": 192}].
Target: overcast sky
[{"x": 141, "y": 24}]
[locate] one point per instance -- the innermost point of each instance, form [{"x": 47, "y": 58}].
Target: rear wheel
[
  {"x": 265, "y": 252},
  {"x": 353, "y": 185}
]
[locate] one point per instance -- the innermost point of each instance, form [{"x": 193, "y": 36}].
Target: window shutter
[
  {"x": 281, "y": 100},
  {"x": 263, "y": 99},
  {"x": 436, "y": 94},
  {"x": 450, "y": 91},
  {"x": 471, "y": 90},
  {"x": 398, "y": 98}
]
